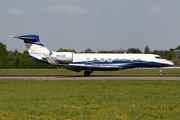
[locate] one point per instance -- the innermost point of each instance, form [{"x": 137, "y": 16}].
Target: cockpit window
[{"x": 159, "y": 57}]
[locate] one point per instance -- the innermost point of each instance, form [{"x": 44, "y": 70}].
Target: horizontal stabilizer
[{"x": 27, "y": 37}]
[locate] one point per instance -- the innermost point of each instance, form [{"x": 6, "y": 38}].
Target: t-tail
[
  {"x": 35, "y": 47},
  {"x": 38, "y": 51}
]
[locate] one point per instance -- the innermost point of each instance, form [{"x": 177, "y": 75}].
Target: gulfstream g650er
[{"x": 90, "y": 62}]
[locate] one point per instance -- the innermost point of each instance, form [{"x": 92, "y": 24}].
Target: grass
[
  {"x": 100, "y": 99},
  {"x": 155, "y": 72}
]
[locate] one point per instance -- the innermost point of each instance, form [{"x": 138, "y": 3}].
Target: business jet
[{"x": 92, "y": 61}]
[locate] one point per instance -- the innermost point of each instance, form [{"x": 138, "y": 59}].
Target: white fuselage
[
  {"x": 142, "y": 60},
  {"x": 82, "y": 57}
]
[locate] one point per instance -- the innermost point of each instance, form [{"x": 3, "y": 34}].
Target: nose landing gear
[{"x": 160, "y": 72}]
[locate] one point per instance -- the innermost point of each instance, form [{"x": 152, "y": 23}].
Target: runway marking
[{"x": 61, "y": 77}]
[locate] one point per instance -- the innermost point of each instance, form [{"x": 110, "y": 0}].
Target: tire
[
  {"x": 160, "y": 74},
  {"x": 87, "y": 73}
]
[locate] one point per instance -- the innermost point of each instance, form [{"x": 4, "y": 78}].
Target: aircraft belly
[{"x": 109, "y": 66}]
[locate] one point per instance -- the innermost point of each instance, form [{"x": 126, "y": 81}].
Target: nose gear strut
[{"x": 160, "y": 72}]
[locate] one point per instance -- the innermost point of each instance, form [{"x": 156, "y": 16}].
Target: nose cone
[{"x": 170, "y": 63}]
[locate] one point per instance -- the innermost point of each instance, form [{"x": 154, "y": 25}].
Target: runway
[{"x": 61, "y": 77}]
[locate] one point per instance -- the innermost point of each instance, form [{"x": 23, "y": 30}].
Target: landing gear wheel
[
  {"x": 160, "y": 74},
  {"x": 87, "y": 73}
]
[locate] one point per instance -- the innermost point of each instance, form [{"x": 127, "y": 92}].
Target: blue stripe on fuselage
[{"x": 122, "y": 64}]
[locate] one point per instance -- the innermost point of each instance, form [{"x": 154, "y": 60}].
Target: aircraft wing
[{"x": 80, "y": 67}]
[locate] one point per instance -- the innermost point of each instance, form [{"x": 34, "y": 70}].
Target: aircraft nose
[{"x": 170, "y": 63}]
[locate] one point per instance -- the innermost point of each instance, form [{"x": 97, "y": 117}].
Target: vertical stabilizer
[{"x": 34, "y": 46}]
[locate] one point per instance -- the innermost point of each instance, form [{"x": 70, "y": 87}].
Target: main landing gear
[
  {"x": 87, "y": 73},
  {"x": 160, "y": 72}
]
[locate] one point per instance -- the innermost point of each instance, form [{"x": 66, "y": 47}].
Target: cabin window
[
  {"x": 131, "y": 59},
  {"x": 88, "y": 59},
  {"x": 117, "y": 59},
  {"x": 124, "y": 59},
  {"x": 138, "y": 59},
  {"x": 109, "y": 60},
  {"x": 102, "y": 60},
  {"x": 95, "y": 59}
]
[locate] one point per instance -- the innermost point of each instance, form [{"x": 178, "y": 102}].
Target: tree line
[{"x": 15, "y": 59}]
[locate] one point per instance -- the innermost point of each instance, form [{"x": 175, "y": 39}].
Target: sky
[{"x": 95, "y": 24}]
